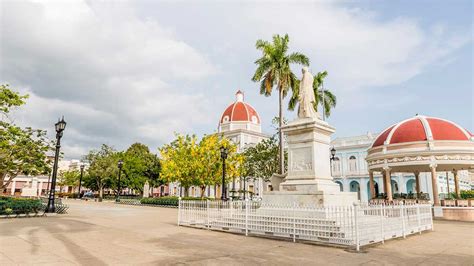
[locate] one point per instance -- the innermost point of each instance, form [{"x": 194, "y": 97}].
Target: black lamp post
[
  {"x": 80, "y": 179},
  {"x": 120, "y": 164},
  {"x": 224, "y": 153},
  {"x": 333, "y": 156},
  {"x": 59, "y": 126}
]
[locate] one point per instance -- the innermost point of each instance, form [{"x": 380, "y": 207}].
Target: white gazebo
[{"x": 421, "y": 144}]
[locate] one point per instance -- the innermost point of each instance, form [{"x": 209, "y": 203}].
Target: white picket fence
[{"x": 356, "y": 225}]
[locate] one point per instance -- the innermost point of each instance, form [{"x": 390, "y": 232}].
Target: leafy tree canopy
[
  {"x": 139, "y": 166},
  {"x": 102, "y": 170},
  {"x": 22, "y": 150},
  {"x": 194, "y": 162},
  {"x": 261, "y": 160}
]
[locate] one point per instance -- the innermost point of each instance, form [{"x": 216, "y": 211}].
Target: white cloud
[
  {"x": 125, "y": 71},
  {"x": 109, "y": 72}
]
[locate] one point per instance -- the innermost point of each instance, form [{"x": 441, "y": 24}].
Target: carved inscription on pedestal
[{"x": 301, "y": 159}]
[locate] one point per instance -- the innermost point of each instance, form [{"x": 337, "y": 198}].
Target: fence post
[
  {"x": 246, "y": 217},
  {"x": 382, "y": 208},
  {"x": 179, "y": 211},
  {"x": 431, "y": 207},
  {"x": 294, "y": 222},
  {"x": 356, "y": 225},
  {"x": 418, "y": 217},
  {"x": 402, "y": 215},
  {"x": 208, "y": 210}
]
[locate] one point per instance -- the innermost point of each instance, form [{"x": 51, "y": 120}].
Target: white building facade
[{"x": 350, "y": 171}]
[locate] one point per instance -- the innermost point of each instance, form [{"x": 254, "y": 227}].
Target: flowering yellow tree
[
  {"x": 198, "y": 163},
  {"x": 179, "y": 161}
]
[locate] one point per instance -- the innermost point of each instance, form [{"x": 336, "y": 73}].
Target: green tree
[
  {"x": 103, "y": 169},
  {"x": 139, "y": 166},
  {"x": 261, "y": 160},
  {"x": 10, "y": 99},
  {"x": 69, "y": 178},
  {"x": 22, "y": 150},
  {"x": 273, "y": 71},
  {"x": 324, "y": 97}
]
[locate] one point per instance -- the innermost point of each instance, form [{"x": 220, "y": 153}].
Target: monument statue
[
  {"x": 146, "y": 190},
  {"x": 306, "y": 96},
  {"x": 308, "y": 138}
]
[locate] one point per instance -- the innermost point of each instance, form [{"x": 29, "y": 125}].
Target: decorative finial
[{"x": 239, "y": 96}]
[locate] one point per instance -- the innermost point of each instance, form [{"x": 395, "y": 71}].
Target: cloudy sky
[{"x": 128, "y": 71}]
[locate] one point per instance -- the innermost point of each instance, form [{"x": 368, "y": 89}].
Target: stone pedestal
[
  {"x": 146, "y": 190},
  {"x": 31, "y": 191},
  {"x": 309, "y": 179}
]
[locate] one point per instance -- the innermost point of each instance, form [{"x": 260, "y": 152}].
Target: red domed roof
[
  {"x": 240, "y": 111},
  {"x": 422, "y": 128}
]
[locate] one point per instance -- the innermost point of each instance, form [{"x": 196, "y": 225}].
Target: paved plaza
[{"x": 104, "y": 234}]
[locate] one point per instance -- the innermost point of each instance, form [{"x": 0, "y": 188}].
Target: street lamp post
[
  {"x": 120, "y": 164},
  {"x": 331, "y": 159},
  {"x": 80, "y": 179},
  {"x": 59, "y": 126},
  {"x": 224, "y": 153}
]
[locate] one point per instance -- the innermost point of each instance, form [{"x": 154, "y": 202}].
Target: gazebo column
[
  {"x": 388, "y": 184},
  {"x": 434, "y": 184},
  {"x": 417, "y": 183},
  {"x": 372, "y": 185},
  {"x": 456, "y": 184}
]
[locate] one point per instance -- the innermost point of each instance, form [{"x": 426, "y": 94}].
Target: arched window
[
  {"x": 352, "y": 164},
  {"x": 336, "y": 166}
]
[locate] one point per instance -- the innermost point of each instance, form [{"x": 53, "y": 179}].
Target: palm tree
[
  {"x": 273, "y": 70},
  {"x": 323, "y": 96}
]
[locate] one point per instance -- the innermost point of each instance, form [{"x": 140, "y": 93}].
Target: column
[
  {"x": 372, "y": 185},
  {"x": 434, "y": 184},
  {"x": 447, "y": 184},
  {"x": 364, "y": 197},
  {"x": 12, "y": 192},
  {"x": 456, "y": 184},
  {"x": 388, "y": 184},
  {"x": 417, "y": 183}
]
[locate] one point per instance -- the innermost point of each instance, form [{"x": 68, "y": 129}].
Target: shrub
[
  {"x": 20, "y": 206},
  {"x": 467, "y": 194},
  {"x": 168, "y": 200},
  {"x": 67, "y": 194},
  {"x": 165, "y": 201}
]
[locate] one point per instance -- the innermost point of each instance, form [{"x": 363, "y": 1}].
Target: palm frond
[{"x": 298, "y": 58}]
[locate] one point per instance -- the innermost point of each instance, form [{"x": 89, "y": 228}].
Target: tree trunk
[
  {"x": 3, "y": 184},
  {"x": 203, "y": 189},
  {"x": 101, "y": 193},
  {"x": 186, "y": 191},
  {"x": 280, "y": 133}
]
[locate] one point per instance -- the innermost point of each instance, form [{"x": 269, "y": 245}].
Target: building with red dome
[
  {"x": 241, "y": 123},
  {"x": 421, "y": 144}
]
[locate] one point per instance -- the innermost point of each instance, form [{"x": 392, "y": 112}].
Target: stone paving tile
[{"x": 108, "y": 234}]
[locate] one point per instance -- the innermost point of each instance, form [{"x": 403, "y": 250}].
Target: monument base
[
  {"x": 302, "y": 198},
  {"x": 29, "y": 192}
]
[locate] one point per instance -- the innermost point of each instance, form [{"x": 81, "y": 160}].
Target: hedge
[
  {"x": 10, "y": 205},
  {"x": 467, "y": 194},
  {"x": 167, "y": 201}
]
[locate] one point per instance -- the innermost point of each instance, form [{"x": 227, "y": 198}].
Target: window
[
  {"x": 336, "y": 166},
  {"x": 352, "y": 164}
]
